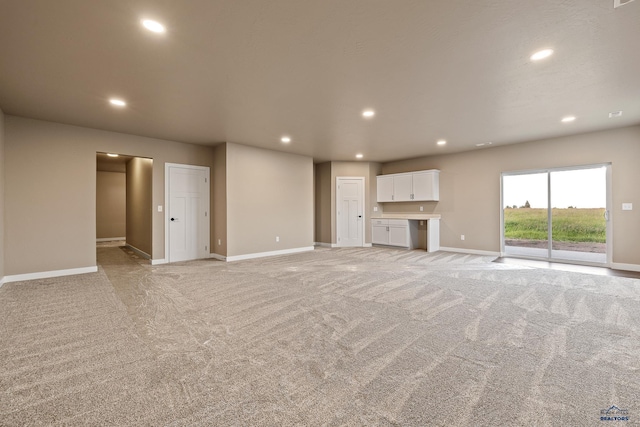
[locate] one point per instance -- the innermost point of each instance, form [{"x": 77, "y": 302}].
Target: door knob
[{"x": 173, "y": 219}]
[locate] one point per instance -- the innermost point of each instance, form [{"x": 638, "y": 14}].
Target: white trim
[
  {"x": 322, "y": 244},
  {"x": 205, "y": 233},
  {"x": 158, "y": 261},
  {"x": 218, "y": 257},
  {"x": 367, "y": 245},
  {"x": 2, "y": 280},
  {"x": 627, "y": 267},
  {"x": 143, "y": 254},
  {"x": 110, "y": 239},
  {"x": 49, "y": 274},
  {"x": 270, "y": 253},
  {"x": 470, "y": 251}
]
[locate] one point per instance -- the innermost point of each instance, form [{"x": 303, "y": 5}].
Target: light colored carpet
[{"x": 333, "y": 337}]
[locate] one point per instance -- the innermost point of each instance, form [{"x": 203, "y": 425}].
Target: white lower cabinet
[
  {"x": 394, "y": 232},
  {"x": 380, "y": 232}
]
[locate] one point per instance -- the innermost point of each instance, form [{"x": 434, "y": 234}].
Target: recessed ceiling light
[
  {"x": 368, "y": 113},
  {"x": 117, "y": 102},
  {"x": 568, "y": 119},
  {"x": 285, "y": 139},
  {"x": 359, "y": 156},
  {"x": 112, "y": 155},
  {"x": 153, "y": 26},
  {"x": 615, "y": 114},
  {"x": 441, "y": 142},
  {"x": 541, "y": 54}
]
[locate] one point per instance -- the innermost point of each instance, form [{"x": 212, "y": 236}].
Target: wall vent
[{"x": 618, "y": 3}]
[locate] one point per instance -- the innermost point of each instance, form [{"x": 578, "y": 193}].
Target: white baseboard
[
  {"x": 2, "y": 281},
  {"x": 218, "y": 257},
  {"x": 49, "y": 274},
  {"x": 367, "y": 245},
  {"x": 271, "y": 253},
  {"x": 143, "y": 254},
  {"x": 322, "y": 244},
  {"x": 627, "y": 267},
  {"x": 469, "y": 251},
  {"x": 158, "y": 261},
  {"x": 110, "y": 239}
]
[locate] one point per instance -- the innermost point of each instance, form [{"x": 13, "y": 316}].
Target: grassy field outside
[{"x": 569, "y": 225}]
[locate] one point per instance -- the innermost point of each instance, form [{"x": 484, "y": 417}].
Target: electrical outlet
[
  {"x": 462, "y": 237},
  {"x": 159, "y": 208},
  {"x": 219, "y": 242},
  {"x": 421, "y": 208},
  {"x": 277, "y": 238},
  {"x": 375, "y": 209},
  {"x": 627, "y": 206}
]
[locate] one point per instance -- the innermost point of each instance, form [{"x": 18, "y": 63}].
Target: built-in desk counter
[{"x": 402, "y": 230}]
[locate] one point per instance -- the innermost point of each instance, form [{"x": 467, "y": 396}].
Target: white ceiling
[{"x": 251, "y": 71}]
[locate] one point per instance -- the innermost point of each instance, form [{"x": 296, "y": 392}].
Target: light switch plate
[
  {"x": 627, "y": 206},
  {"x": 375, "y": 209},
  {"x": 159, "y": 208}
]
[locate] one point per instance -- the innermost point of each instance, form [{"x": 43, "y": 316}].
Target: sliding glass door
[{"x": 557, "y": 214}]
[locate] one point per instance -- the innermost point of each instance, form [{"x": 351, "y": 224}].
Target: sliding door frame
[{"x": 548, "y": 171}]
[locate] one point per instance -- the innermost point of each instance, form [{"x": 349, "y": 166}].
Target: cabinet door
[
  {"x": 425, "y": 186},
  {"x": 399, "y": 235},
  {"x": 385, "y": 188},
  {"x": 402, "y": 187},
  {"x": 379, "y": 235}
]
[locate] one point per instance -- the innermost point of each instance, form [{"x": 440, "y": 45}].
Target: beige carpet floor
[{"x": 332, "y": 337}]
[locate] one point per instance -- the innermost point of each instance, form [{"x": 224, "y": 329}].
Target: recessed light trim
[
  {"x": 285, "y": 139},
  {"x": 368, "y": 113},
  {"x": 568, "y": 119},
  {"x": 359, "y": 156},
  {"x": 117, "y": 102},
  {"x": 154, "y": 26},
  {"x": 441, "y": 142},
  {"x": 112, "y": 155},
  {"x": 541, "y": 54}
]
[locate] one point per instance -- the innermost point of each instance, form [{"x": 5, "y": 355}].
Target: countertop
[{"x": 407, "y": 216}]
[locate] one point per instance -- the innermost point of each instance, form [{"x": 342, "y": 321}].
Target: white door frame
[
  {"x": 167, "y": 200},
  {"x": 337, "y": 203}
]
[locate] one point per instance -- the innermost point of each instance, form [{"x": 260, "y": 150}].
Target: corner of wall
[{"x": 2, "y": 246}]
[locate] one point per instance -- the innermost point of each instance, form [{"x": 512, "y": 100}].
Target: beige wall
[
  {"x": 2, "y": 167},
  {"x": 269, "y": 194},
  {"x": 322, "y": 184},
  {"x": 139, "y": 210},
  {"x": 111, "y": 205},
  {"x": 219, "y": 201},
  {"x": 470, "y": 186},
  {"x": 50, "y": 191}
]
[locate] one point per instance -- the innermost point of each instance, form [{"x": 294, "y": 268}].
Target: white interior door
[
  {"x": 350, "y": 208},
  {"x": 188, "y": 212}
]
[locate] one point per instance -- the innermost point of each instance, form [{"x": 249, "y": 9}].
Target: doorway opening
[
  {"x": 124, "y": 203},
  {"x": 557, "y": 214}
]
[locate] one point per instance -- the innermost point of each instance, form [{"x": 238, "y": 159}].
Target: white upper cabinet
[
  {"x": 426, "y": 185},
  {"x": 385, "y": 188},
  {"x": 419, "y": 186},
  {"x": 402, "y": 187}
]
